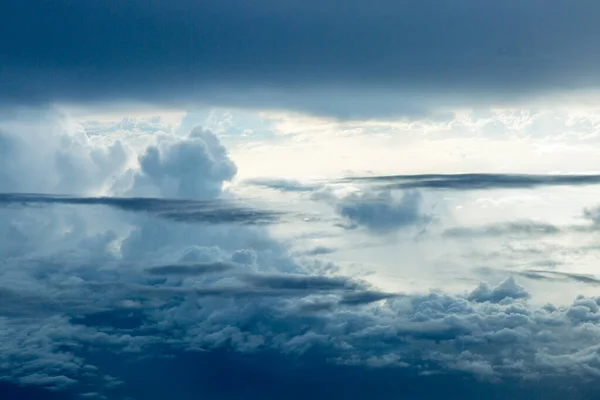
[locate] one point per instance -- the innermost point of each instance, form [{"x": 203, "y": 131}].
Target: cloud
[
  {"x": 366, "y": 297},
  {"x": 284, "y": 185},
  {"x": 297, "y": 282},
  {"x": 507, "y": 289},
  {"x": 381, "y": 211},
  {"x": 67, "y": 160},
  {"x": 190, "y": 211},
  {"x": 593, "y": 215},
  {"x": 122, "y": 305},
  {"x": 514, "y": 228},
  {"x": 466, "y": 182},
  {"x": 17, "y": 392},
  {"x": 174, "y": 167},
  {"x": 558, "y": 275},
  {"x": 191, "y": 269},
  {"x": 523, "y": 228},
  {"x": 311, "y": 55},
  {"x": 477, "y": 181}
]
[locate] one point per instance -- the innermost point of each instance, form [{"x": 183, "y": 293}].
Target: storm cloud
[{"x": 310, "y": 55}]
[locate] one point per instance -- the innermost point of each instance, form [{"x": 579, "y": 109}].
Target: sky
[{"x": 299, "y": 199}]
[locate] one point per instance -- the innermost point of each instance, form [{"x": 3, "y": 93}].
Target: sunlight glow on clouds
[
  {"x": 291, "y": 200},
  {"x": 110, "y": 279}
]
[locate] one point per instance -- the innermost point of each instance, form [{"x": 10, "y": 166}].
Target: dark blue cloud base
[{"x": 360, "y": 57}]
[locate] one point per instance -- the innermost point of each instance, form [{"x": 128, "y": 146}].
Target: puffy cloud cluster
[
  {"x": 194, "y": 167},
  {"x": 506, "y": 291},
  {"x": 45, "y": 153},
  {"x": 103, "y": 302},
  {"x": 381, "y": 212}
]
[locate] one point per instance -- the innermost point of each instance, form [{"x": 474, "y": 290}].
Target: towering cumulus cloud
[
  {"x": 97, "y": 301},
  {"x": 192, "y": 168}
]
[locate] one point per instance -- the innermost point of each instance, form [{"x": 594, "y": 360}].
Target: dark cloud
[
  {"x": 191, "y": 269},
  {"x": 477, "y": 181},
  {"x": 311, "y": 55},
  {"x": 514, "y": 228},
  {"x": 284, "y": 185},
  {"x": 229, "y": 375},
  {"x": 358, "y": 298},
  {"x": 558, "y": 275},
  {"x": 227, "y": 280},
  {"x": 179, "y": 210},
  {"x": 297, "y": 282},
  {"x": 274, "y": 326},
  {"x": 381, "y": 212},
  {"x": 17, "y": 392},
  {"x": 319, "y": 250},
  {"x": 507, "y": 289}
]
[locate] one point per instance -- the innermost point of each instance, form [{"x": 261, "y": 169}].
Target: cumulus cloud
[
  {"x": 505, "y": 290},
  {"x": 67, "y": 161},
  {"x": 382, "y": 211},
  {"x": 174, "y": 167}
]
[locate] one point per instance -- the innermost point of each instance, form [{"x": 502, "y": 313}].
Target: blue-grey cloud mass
[
  {"x": 362, "y": 58},
  {"x": 129, "y": 270},
  {"x": 381, "y": 212},
  {"x": 103, "y": 303}
]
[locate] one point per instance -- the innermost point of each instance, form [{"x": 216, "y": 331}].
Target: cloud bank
[
  {"x": 189, "y": 211},
  {"x": 99, "y": 303},
  {"x": 308, "y": 55}
]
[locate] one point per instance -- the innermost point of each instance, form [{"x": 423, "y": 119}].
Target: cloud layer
[
  {"x": 98, "y": 302},
  {"x": 187, "y": 211},
  {"x": 182, "y": 51}
]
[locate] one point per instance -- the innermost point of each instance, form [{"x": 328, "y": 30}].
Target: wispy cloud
[
  {"x": 459, "y": 182},
  {"x": 511, "y": 228},
  {"x": 558, "y": 275},
  {"x": 476, "y": 181},
  {"x": 180, "y": 210}
]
